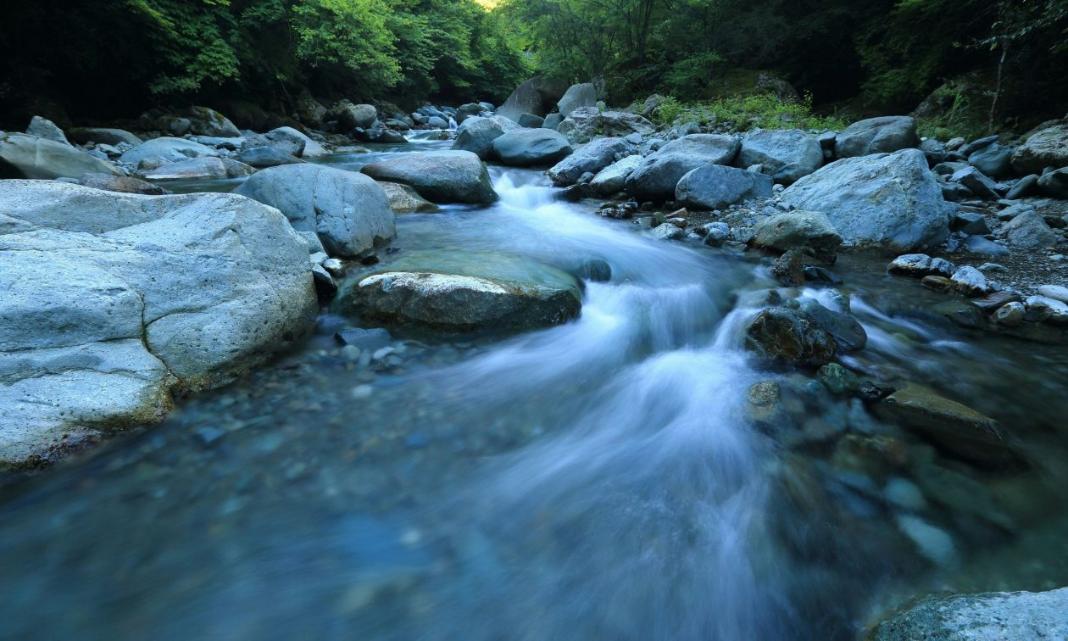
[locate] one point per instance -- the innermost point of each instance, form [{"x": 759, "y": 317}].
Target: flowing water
[{"x": 598, "y": 480}]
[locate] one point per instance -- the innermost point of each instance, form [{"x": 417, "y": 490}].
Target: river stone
[
  {"x": 659, "y": 173},
  {"x": 612, "y": 178},
  {"x": 1056, "y": 292},
  {"x": 785, "y": 155},
  {"x": 785, "y": 337},
  {"x": 526, "y": 147},
  {"x": 1054, "y": 183},
  {"x": 200, "y": 168},
  {"x": 348, "y": 211},
  {"x": 976, "y": 182},
  {"x": 350, "y": 116},
  {"x": 159, "y": 151},
  {"x": 953, "y": 426},
  {"x": 848, "y": 333},
  {"x": 205, "y": 121},
  {"x": 993, "y": 160},
  {"x": 717, "y": 186},
  {"x": 308, "y": 148},
  {"x": 25, "y": 156},
  {"x": 142, "y": 295},
  {"x": 124, "y": 184},
  {"x": 438, "y": 176},
  {"x": 405, "y": 200},
  {"x": 592, "y": 157},
  {"x": 970, "y": 281},
  {"x": 261, "y": 157},
  {"x": 920, "y": 265},
  {"x": 877, "y": 135},
  {"x": 1045, "y": 148},
  {"x": 586, "y": 123},
  {"x": 533, "y": 96},
  {"x": 993, "y": 616},
  {"x": 1028, "y": 231},
  {"x": 795, "y": 230},
  {"x": 476, "y": 134},
  {"x": 45, "y": 128},
  {"x": 474, "y": 291},
  {"x": 576, "y": 97},
  {"x": 530, "y": 121},
  {"x": 887, "y": 200},
  {"x": 103, "y": 136}
]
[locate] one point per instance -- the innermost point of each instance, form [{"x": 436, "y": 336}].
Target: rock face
[
  {"x": 715, "y": 186},
  {"x": 1045, "y": 148},
  {"x": 476, "y": 134},
  {"x": 785, "y": 337},
  {"x": 477, "y": 291},
  {"x": 576, "y": 97},
  {"x": 795, "y": 230},
  {"x": 439, "y": 176},
  {"x": 786, "y": 156},
  {"x": 348, "y": 211},
  {"x": 887, "y": 200},
  {"x": 141, "y": 295},
  {"x": 25, "y": 156},
  {"x": 530, "y": 147},
  {"x": 612, "y": 178},
  {"x": 994, "y": 616},
  {"x": 405, "y": 200},
  {"x": 159, "y": 151},
  {"x": 659, "y": 173},
  {"x": 877, "y": 136},
  {"x": 586, "y": 123},
  {"x": 592, "y": 158}
]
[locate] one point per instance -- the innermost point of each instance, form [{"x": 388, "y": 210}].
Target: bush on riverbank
[{"x": 742, "y": 113}]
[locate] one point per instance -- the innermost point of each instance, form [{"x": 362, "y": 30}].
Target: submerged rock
[
  {"x": 438, "y": 176},
  {"x": 785, "y": 337}
]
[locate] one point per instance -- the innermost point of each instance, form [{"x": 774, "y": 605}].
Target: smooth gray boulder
[
  {"x": 159, "y": 151},
  {"x": 576, "y": 97},
  {"x": 439, "y": 176},
  {"x": 530, "y": 121},
  {"x": 530, "y": 147},
  {"x": 796, "y": 230},
  {"x": 472, "y": 291},
  {"x": 25, "y": 156},
  {"x": 993, "y": 616},
  {"x": 476, "y": 134},
  {"x": 877, "y": 135},
  {"x": 140, "y": 296},
  {"x": 976, "y": 182},
  {"x": 405, "y": 200},
  {"x": 592, "y": 158},
  {"x": 309, "y": 148},
  {"x": 612, "y": 178},
  {"x": 892, "y": 201},
  {"x": 534, "y": 96},
  {"x": 1028, "y": 231},
  {"x": 348, "y": 211},
  {"x": 103, "y": 135},
  {"x": 262, "y": 157},
  {"x": 786, "y": 155},
  {"x": 716, "y": 186},
  {"x": 586, "y": 123},
  {"x": 1054, "y": 183},
  {"x": 1045, "y": 148},
  {"x": 45, "y": 128},
  {"x": 660, "y": 172},
  {"x": 993, "y": 160},
  {"x": 199, "y": 168}
]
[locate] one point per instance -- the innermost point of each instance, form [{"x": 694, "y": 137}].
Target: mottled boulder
[
  {"x": 159, "y": 151},
  {"x": 476, "y": 134},
  {"x": 206, "y": 167},
  {"x": 592, "y": 158},
  {"x": 103, "y": 136},
  {"x": 438, "y": 176},
  {"x": 796, "y": 230},
  {"x": 660, "y": 172},
  {"x": 349, "y": 211},
  {"x": 405, "y": 200},
  {"x": 586, "y": 123},
  {"x": 45, "y": 128},
  {"x": 716, "y": 186},
  {"x": 25, "y": 156},
  {"x": 877, "y": 135},
  {"x": 786, "y": 155},
  {"x": 784, "y": 336},
  {"x": 576, "y": 97},
  {"x": 612, "y": 178},
  {"x": 1045, "y": 148},
  {"x": 530, "y": 147}
]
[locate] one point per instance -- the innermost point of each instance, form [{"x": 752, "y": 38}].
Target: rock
[
  {"x": 969, "y": 223},
  {"x": 467, "y": 110},
  {"x": 142, "y": 295},
  {"x": 476, "y": 134},
  {"x": 261, "y": 157},
  {"x": 475, "y": 291},
  {"x": 1010, "y": 314},
  {"x": 25, "y": 156},
  {"x": 876, "y": 136},
  {"x": 952, "y": 426},
  {"x": 45, "y": 128},
  {"x": 937, "y": 283},
  {"x": 667, "y": 231},
  {"x": 984, "y": 247},
  {"x": 205, "y": 121},
  {"x": 789, "y": 269},
  {"x": 837, "y": 379},
  {"x": 934, "y": 543},
  {"x": 124, "y": 184},
  {"x": 980, "y": 185},
  {"x": 612, "y": 178},
  {"x": 592, "y": 157},
  {"x": 718, "y": 186},
  {"x": 103, "y": 136},
  {"x": 1028, "y": 231},
  {"x": 1045, "y": 309},
  {"x": 576, "y": 97},
  {"x": 350, "y": 116},
  {"x": 159, "y": 151},
  {"x": 200, "y": 168},
  {"x": 994, "y": 160},
  {"x": 934, "y": 150},
  {"x": 796, "y": 230},
  {"x": 785, "y": 155},
  {"x": 887, "y": 200},
  {"x": 656, "y": 178},
  {"x": 995, "y": 299},
  {"x": 437, "y": 122},
  {"x": 1054, "y": 184},
  {"x": 785, "y": 337},
  {"x": 848, "y": 333},
  {"x": 1045, "y": 148},
  {"x": 1056, "y": 292},
  {"x": 716, "y": 234},
  {"x": 534, "y": 96},
  {"x": 552, "y": 121},
  {"x": 1023, "y": 187},
  {"x": 405, "y": 200},
  {"x": 349, "y": 211},
  {"x": 438, "y": 176},
  {"x": 530, "y": 147},
  {"x": 530, "y": 121},
  {"x": 994, "y": 616},
  {"x": 586, "y": 123},
  {"x": 308, "y": 147},
  {"x": 955, "y": 192},
  {"x": 970, "y": 281}
]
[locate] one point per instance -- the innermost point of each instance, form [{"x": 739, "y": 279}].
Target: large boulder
[
  {"x": 530, "y": 147},
  {"x": 887, "y": 200},
  {"x": 205, "y": 121},
  {"x": 350, "y": 116},
  {"x": 715, "y": 186},
  {"x": 993, "y": 616},
  {"x": 786, "y": 155},
  {"x": 348, "y": 211},
  {"x": 405, "y": 200},
  {"x": 876, "y": 136},
  {"x": 612, "y": 178},
  {"x": 591, "y": 158},
  {"x": 783, "y": 336},
  {"x": 535, "y": 96},
  {"x": 1045, "y": 148},
  {"x": 797, "y": 230},
  {"x": 208, "y": 167},
  {"x": 476, "y": 134},
  {"x": 45, "y": 128},
  {"x": 159, "y": 151},
  {"x": 473, "y": 291},
  {"x": 309, "y": 148},
  {"x": 576, "y": 97},
  {"x": 586, "y": 123},
  {"x": 267, "y": 156},
  {"x": 103, "y": 136},
  {"x": 25, "y": 156},
  {"x": 112, "y": 301},
  {"x": 660, "y": 172},
  {"x": 438, "y": 176}
]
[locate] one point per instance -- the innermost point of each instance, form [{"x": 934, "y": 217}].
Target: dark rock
[
  {"x": 1023, "y": 187},
  {"x": 438, "y": 176},
  {"x": 848, "y": 334},
  {"x": 718, "y": 186},
  {"x": 976, "y": 182},
  {"x": 993, "y": 160},
  {"x": 797, "y": 229},
  {"x": 530, "y": 120},
  {"x": 969, "y": 223},
  {"x": 784, "y": 336},
  {"x": 877, "y": 135},
  {"x": 659, "y": 173},
  {"x": 1054, "y": 183}
]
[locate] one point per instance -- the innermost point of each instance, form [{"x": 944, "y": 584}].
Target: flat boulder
[
  {"x": 892, "y": 201},
  {"x": 206, "y": 167},
  {"x": 716, "y": 186},
  {"x": 438, "y": 176},
  {"x": 525, "y": 147},
  {"x": 660, "y": 172},
  {"x": 114, "y": 301},
  {"x": 472, "y": 291},
  {"x": 796, "y": 230},
  {"x": 1045, "y": 148},
  {"x": 159, "y": 151},
  {"x": 26, "y": 156},
  {"x": 589, "y": 158},
  {"x": 348, "y": 211},
  {"x": 103, "y": 136},
  {"x": 476, "y": 134},
  {"x": 876, "y": 136},
  {"x": 613, "y": 178},
  {"x": 405, "y": 200},
  {"x": 586, "y": 123},
  {"x": 786, "y": 155}
]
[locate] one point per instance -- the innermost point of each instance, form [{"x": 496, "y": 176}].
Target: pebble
[{"x": 1056, "y": 292}]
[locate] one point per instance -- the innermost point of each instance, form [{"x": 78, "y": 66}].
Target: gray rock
[
  {"x": 530, "y": 147},
  {"x": 552, "y": 121},
  {"x": 1028, "y": 230},
  {"x": 982, "y": 246},
  {"x": 142, "y": 295},
  {"x": 308, "y": 148},
  {"x": 877, "y": 135},
  {"x": 592, "y": 157},
  {"x": 530, "y": 121},
  {"x": 660, "y": 172},
  {"x": 438, "y": 176},
  {"x": 785, "y": 337},
  {"x": 261, "y": 157},
  {"x": 205, "y": 121},
  {"x": 25, "y": 156},
  {"x": 1023, "y": 187},
  {"x": 103, "y": 136},
  {"x": 994, "y": 160},
  {"x": 124, "y": 184},
  {"x": 1055, "y": 183},
  {"x": 785, "y": 155},
  {"x": 934, "y": 543},
  {"x": 667, "y": 231},
  {"x": 586, "y": 123},
  {"x": 970, "y": 281},
  {"x": 848, "y": 334},
  {"x": 969, "y": 222},
  {"x": 476, "y": 134},
  {"x": 1045, "y": 309},
  {"x": 1045, "y": 148},
  {"x": 437, "y": 122},
  {"x": 159, "y": 151},
  {"x": 717, "y": 186},
  {"x": 612, "y": 178},
  {"x": 198, "y": 168},
  {"x": 1010, "y": 314},
  {"x": 350, "y": 116},
  {"x": 45, "y": 128},
  {"x": 576, "y": 97},
  {"x": 1056, "y": 292},
  {"x": 796, "y": 230},
  {"x": 994, "y": 616},
  {"x": 977, "y": 183},
  {"x": 405, "y": 200},
  {"x": 977, "y": 145},
  {"x": 934, "y": 150},
  {"x": 348, "y": 211},
  {"x": 887, "y": 200},
  {"x": 533, "y": 96},
  {"x": 920, "y": 265}
]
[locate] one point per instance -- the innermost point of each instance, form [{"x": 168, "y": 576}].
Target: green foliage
[
  {"x": 740, "y": 113},
  {"x": 347, "y": 34}
]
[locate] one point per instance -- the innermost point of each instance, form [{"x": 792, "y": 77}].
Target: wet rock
[
  {"x": 785, "y": 155},
  {"x": 668, "y": 231},
  {"x": 715, "y": 234},
  {"x": 530, "y": 121},
  {"x": 994, "y": 300},
  {"x": 124, "y": 184},
  {"x": 657, "y": 176},
  {"x": 848, "y": 333},
  {"x": 934, "y": 543},
  {"x": 919, "y": 265},
  {"x": 717, "y": 186},
  {"x": 476, "y": 134},
  {"x": 877, "y": 135},
  {"x": 530, "y": 147},
  {"x": 25, "y": 156},
  {"x": 763, "y": 401},
  {"x": 789, "y": 269},
  {"x": 795, "y": 230},
  {"x": 592, "y": 157},
  {"x": 438, "y": 176},
  {"x": 785, "y": 337},
  {"x": 325, "y": 286},
  {"x": 158, "y": 151},
  {"x": 937, "y": 283},
  {"x": 406, "y": 200},
  {"x": 904, "y": 494},
  {"x": 970, "y": 281},
  {"x": 45, "y": 128},
  {"x": 1045, "y": 309},
  {"x": 612, "y": 178},
  {"x": 1028, "y": 231},
  {"x": 1045, "y": 148},
  {"x": 1054, "y": 183},
  {"x": 837, "y": 379}
]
